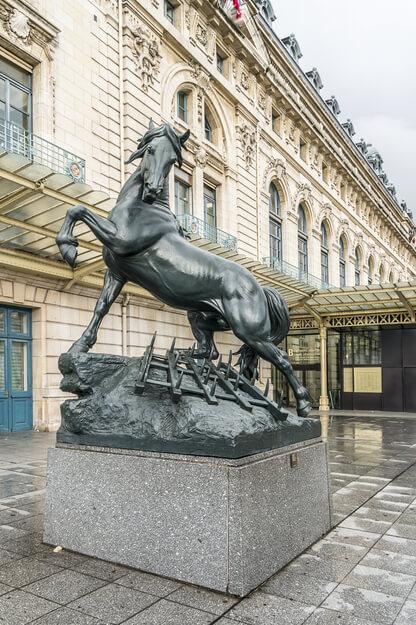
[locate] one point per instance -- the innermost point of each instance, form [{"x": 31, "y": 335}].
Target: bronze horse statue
[{"x": 143, "y": 243}]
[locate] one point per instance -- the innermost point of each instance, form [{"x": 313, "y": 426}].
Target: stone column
[{"x": 323, "y": 400}]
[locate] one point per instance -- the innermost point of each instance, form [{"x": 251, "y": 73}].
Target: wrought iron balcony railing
[
  {"x": 201, "y": 228},
  {"x": 290, "y": 270},
  {"x": 17, "y": 140}
]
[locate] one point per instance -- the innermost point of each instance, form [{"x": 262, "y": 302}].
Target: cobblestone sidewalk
[{"x": 361, "y": 573}]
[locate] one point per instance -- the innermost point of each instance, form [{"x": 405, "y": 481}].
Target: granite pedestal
[{"x": 224, "y": 524}]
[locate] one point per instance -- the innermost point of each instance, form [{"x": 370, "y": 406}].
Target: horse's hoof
[
  {"x": 69, "y": 253},
  {"x": 304, "y": 408}
]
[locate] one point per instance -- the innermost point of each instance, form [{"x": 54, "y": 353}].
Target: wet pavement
[{"x": 362, "y": 573}]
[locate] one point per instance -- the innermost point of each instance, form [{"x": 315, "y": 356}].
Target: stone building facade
[{"x": 271, "y": 169}]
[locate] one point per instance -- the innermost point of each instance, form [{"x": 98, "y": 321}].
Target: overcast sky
[{"x": 365, "y": 51}]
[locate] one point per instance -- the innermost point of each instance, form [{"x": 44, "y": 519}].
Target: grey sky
[{"x": 365, "y": 51}]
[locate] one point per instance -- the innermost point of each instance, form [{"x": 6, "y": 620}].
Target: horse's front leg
[
  {"x": 104, "y": 229},
  {"x": 111, "y": 290}
]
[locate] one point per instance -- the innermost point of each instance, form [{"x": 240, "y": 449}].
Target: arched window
[
  {"x": 182, "y": 106},
  {"x": 382, "y": 274},
  {"x": 207, "y": 128},
  {"x": 342, "y": 273},
  {"x": 302, "y": 242},
  {"x": 391, "y": 277},
  {"x": 275, "y": 225},
  {"x": 324, "y": 255},
  {"x": 370, "y": 270},
  {"x": 357, "y": 267}
]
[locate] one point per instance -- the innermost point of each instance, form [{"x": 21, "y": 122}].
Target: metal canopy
[
  {"x": 33, "y": 203},
  {"x": 370, "y": 299}
]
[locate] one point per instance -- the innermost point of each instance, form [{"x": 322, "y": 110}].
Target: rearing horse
[{"x": 144, "y": 244}]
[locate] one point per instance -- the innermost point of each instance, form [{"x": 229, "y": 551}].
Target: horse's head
[{"x": 159, "y": 149}]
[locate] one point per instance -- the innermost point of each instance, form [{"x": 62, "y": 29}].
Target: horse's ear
[
  {"x": 184, "y": 138},
  {"x": 152, "y": 124}
]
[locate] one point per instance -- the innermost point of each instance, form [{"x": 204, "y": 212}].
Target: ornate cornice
[{"x": 25, "y": 27}]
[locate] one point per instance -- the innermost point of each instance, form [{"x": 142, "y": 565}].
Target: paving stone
[
  {"x": 4, "y": 588},
  {"x": 64, "y": 559},
  {"x": 390, "y": 561},
  {"x": 371, "y": 578},
  {"x": 104, "y": 570},
  {"x": 113, "y": 603},
  {"x": 303, "y": 588},
  {"x": 64, "y": 616},
  {"x": 330, "y": 617},
  {"x": 407, "y": 615},
  {"x": 24, "y": 571},
  {"x": 402, "y": 531},
  {"x": 9, "y": 515},
  {"x": 377, "y": 514},
  {"x": 20, "y": 608},
  {"x": 353, "y": 537},
  {"x": 397, "y": 545},
  {"x": 146, "y": 582},
  {"x": 30, "y": 523},
  {"x": 394, "y": 497},
  {"x": 7, "y": 532},
  {"x": 26, "y": 545},
  {"x": 383, "y": 504},
  {"x": 366, "y": 604},
  {"x": 367, "y": 525},
  {"x": 167, "y": 613},
  {"x": 64, "y": 586},
  {"x": 329, "y": 569},
  {"x": 264, "y": 609},
  {"x": 214, "y": 602},
  {"x": 8, "y": 556},
  {"x": 408, "y": 517},
  {"x": 325, "y": 548}
]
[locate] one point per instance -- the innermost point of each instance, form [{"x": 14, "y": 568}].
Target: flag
[{"x": 237, "y": 8}]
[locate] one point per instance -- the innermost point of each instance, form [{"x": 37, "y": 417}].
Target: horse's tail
[{"x": 280, "y": 325}]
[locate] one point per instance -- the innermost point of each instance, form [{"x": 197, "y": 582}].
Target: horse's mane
[{"x": 161, "y": 131}]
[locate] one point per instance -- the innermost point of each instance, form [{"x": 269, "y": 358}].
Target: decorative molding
[
  {"x": 25, "y": 27},
  {"x": 275, "y": 168},
  {"x": 303, "y": 192},
  {"x": 248, "y": 139},
  {"x": 146, "y": 52}
]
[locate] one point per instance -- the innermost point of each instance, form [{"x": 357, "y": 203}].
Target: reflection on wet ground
[{"x": 362, "y": 573}]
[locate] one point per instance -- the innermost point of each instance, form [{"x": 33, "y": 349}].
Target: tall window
[
  {"x": 275, "y": 224},
  {"x": 207, "y": 129},
  {"x": 324, "y": 254},
  {"x": 182, "y": 105},
  {"x": 370, "y": 270},
  {"x": 210, "y": 207},
  {"x": 169, "y": 11},
  {"x": 302, "y": 241},
  {"x": 342, "y": 274},
  {"x": 357, "y": 268},
  {"x": 183, "y": 205},
  {"x": 382, "y": 274},
  {"x": 15, "y": 95}
]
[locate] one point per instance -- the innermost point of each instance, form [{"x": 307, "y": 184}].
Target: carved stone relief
[
  {"x": 278, "y": 167},
  {"x": 146, "y": 52},
  {"x": 22, "y": 29},
  {"x": 247, "y": 136}
]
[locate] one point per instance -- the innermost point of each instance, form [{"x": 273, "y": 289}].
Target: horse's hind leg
[
  {"x": 203, "y": 326},
  {"x": 111, "y": 290},
  {"x": 279, "y": 358}
]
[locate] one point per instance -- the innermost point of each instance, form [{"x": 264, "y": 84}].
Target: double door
[{"x": 15, "y": 369}]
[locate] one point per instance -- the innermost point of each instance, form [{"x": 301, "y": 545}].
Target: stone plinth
[{"x": 224, "y": 524}]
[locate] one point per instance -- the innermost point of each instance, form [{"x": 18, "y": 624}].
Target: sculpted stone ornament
[{"x": 143, "y": 243}]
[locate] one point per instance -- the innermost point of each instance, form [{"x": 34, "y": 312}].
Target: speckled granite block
[{"x": 224, "y": 524}]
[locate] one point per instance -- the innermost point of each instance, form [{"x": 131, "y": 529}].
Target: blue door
[{"x": 15, "y": 369}]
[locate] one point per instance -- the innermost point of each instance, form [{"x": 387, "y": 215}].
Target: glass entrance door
[{"x": 15, "y": 370}]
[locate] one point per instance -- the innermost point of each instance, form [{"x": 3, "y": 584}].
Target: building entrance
[{"x": 15, "y": 369}]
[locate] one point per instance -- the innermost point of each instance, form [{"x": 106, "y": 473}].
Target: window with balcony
[
  {"x": 342, "y": 272},
  {"x": 302, "y": 241},
  {"x": 275, "y": 225},
  {"x": 182, "y": 106},
  {"x": 15, "y": 95},
  {"x": 324, "y": 254},
  {"x": 357, "y": 268},
  {"x": 210, "y": 206}
]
